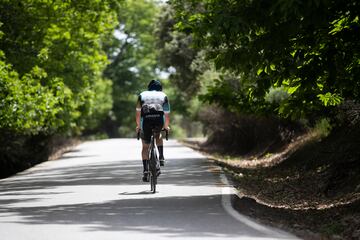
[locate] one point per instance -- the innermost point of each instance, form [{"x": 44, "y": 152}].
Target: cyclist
[{"x": 152, "y": 112}]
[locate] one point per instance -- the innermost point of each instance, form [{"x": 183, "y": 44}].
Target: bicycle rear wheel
[
  {"x": 153, "y": 176},
  {"x": 153, "y": 183}
]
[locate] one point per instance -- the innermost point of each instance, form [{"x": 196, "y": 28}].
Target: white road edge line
[{"x": 227, "y": 191}]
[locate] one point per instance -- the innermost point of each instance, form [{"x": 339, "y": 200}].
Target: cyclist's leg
[
  {"x": 160, "y": 146},
  {"x": 145, "y": 150},
  {"x": 145, "y": 160}
]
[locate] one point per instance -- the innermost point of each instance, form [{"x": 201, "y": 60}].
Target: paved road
[{"x": 95, "y": 192}]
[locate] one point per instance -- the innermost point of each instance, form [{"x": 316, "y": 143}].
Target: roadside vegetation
[
  {"x": 51, "y": 83},
  {"x": 272, "y": 85},
  {"x": 283, "y": 113}
]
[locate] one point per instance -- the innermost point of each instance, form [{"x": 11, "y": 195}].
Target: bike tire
[
  {"x": 153, "y": 177},
  {"x": 153, "y": 183}
]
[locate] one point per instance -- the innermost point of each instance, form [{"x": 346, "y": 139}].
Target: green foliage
[
  {"x": 51, "y": 83},
  {"x": 26, "y": 105},
  {"x": 132, "y": 53},
  {"x": 176, "y": 55},
  {"x": 51, "y": 65},
  {"x": 310, "y": 48},
  {"x": 330, "y": 99},
  {"x": 322, "y": 128},
  {"x": 277, "y": 95}
]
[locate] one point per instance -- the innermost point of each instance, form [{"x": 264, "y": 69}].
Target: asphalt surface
[{"x": 95, "y": 192}]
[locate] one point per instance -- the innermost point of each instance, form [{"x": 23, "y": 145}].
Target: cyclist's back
[
  {"x": 153, "y": 106},
  {"x": 153, "y": 97},
  {"x": 153, "y": 110}
]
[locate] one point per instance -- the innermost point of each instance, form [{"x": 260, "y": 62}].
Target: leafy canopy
[
  {"x": 133, "y": 59},
  {"x": 51, "y": 64},
  {"x": 307, "y": 49}
]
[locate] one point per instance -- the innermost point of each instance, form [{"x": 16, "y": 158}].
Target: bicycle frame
[{"x": 153, "y": 163}]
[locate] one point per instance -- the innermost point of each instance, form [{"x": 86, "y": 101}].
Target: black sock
[
  {"x": 161, "y": 152},
  {"x": 145, "y": 165}
]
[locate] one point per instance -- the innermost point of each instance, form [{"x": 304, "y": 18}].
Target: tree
[
  {"x": 133, "y": 60},
  {"x": 308, "y": 50},
  {"x": 51, "y": 83},
  {"x": 54, "y": 49},
  {"x": 177, "y": 55}
]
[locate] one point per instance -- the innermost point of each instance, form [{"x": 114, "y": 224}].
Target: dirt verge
[{"x": 311, "y": 187}]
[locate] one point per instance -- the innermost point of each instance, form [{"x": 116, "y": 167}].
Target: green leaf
[
  {"x": 330, "y": 99},
  {"x": 272, "y": 67},
  {"x": 292, "y": 90},
  {"x": 320, "y": 86}
]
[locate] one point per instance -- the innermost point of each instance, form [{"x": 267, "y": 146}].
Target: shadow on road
[
  {"x": 130, "y": 210},
  {"x": 173, "y": 216},
  {"x": 109, "y": 173}
]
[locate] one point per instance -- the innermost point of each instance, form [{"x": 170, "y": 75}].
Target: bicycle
[{"x": 153, "y": 163}]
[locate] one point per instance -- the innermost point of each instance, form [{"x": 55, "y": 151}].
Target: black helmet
[{"x": 155, "y": 85}]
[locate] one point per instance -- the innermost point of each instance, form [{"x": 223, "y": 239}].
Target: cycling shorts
[{"x": 154, "y": 121}]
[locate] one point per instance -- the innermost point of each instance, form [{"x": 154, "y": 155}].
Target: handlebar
[{"x": 163, "y": 130}]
